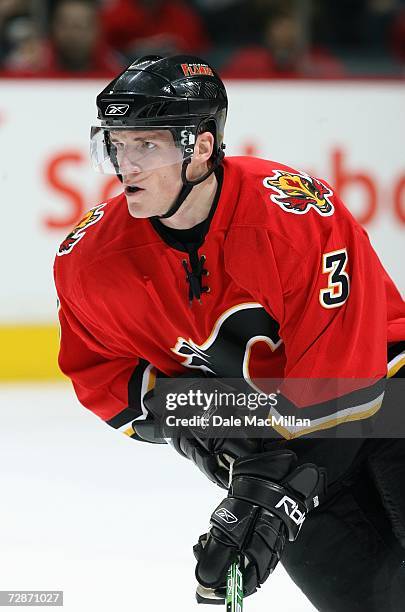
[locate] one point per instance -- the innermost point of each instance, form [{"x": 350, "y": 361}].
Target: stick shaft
[{"x": 234, "y": 589}]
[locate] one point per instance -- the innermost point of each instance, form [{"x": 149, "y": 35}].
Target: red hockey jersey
[{"x": 295, "y": 291}]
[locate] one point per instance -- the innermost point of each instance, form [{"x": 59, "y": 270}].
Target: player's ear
[{"x": 204, "y": 147}]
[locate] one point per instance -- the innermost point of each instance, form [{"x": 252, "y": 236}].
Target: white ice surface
[{"x": 108, "y": 520}]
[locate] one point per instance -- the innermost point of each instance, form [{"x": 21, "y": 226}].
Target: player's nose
[
  {"x": 128, "y": 165},
  {"x": 129, "y": 178}
]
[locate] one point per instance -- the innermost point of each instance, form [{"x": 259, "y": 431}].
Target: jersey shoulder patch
[
  {"x": 94, "y": 215},
  {"x": 297, "y": 192}
]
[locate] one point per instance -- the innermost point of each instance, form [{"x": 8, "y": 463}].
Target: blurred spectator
[
  {"x": 9, "y": 10},
  {"x": 26, "y": 51},
  {"x": 16, "y": 25},
  {"x": 75, "y": 45},
  {"x": 145, "y": 26},
  {"x": 283, "y": 53}
]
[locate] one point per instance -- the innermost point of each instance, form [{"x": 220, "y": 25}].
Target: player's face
[{"x": 151, "y": 173}]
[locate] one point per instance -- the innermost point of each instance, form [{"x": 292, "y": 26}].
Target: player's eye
[{"x": 149, "y": 146}]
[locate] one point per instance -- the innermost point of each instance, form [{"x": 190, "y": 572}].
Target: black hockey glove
[
  {"x": 267, "y": 503},
  {"x": 213, "y": 456}
]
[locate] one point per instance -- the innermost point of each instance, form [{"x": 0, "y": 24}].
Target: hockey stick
[{"x": 234, "y": 589}]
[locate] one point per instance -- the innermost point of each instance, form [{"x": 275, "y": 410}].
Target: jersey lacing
[{"x": 194, "y": 276}]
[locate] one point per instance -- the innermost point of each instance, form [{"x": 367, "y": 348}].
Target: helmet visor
[{"x": 122, "y": 150}]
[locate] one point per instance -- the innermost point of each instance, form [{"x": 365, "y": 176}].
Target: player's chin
[
  {"x": 136, "y": 211},
  {"x": 139, "y": 210}
]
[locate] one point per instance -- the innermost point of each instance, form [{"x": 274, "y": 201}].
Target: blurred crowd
[{"x": 241, "y": 38}]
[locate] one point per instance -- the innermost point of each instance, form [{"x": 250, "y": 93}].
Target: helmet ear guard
[
  {"x": 211, "y": 125},
  {"x": 215, "y": 160}
]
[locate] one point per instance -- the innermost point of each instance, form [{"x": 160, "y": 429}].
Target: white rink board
[
  {"x": 348, "y": 133},
  {"x": 108, "y": 520}
]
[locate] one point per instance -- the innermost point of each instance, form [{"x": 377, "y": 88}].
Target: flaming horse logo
[
  {"x": 297, "y": 193},
  {"x": 93, "y": 216}
]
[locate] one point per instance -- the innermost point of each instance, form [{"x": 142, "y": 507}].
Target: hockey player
[{"x": 241, "y": 268}]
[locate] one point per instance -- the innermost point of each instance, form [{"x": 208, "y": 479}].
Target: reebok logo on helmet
[{"x": 117, "y": 109}]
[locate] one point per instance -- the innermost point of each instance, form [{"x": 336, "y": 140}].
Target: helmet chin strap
[{"x": 188, "y": 185}]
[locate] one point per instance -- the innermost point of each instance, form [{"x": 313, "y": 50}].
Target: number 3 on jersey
[{"x": 337, "y": 292}]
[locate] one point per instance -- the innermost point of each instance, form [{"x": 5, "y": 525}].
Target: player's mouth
[{"x": 131, "y": 189}]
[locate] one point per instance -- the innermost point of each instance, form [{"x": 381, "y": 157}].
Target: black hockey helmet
[{"x": 181, "y": 93}]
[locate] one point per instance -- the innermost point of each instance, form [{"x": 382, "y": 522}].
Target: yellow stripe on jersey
[
  {"x": 129, "y": 432},
  {"x": 373, "y": 408},
  {"x": 396, "y": 364}
]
